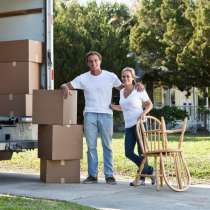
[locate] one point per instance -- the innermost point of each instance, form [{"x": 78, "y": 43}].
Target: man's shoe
[
  {"x": 90, "y": 180},
  {"x": 111, "y": 180}
]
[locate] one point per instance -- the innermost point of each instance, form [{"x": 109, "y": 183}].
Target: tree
[
  {"x": 178, "y": 32},
  {"x": 166, "y": 37},
  {"x": 146, "y": 40},
  {"x": 195, "y": 57}
]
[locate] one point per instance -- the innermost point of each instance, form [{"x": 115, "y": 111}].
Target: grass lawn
[
  {"x": 196, "y": 150},
  {"x": 23, "y": 203}
]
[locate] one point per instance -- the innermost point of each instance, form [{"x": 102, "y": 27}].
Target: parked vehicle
[{"x": 25, "y": 20}]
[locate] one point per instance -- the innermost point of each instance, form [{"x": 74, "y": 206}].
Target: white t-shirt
[
  {"x": 97, "y": 90},
  {"x": 132, "y": 106}
]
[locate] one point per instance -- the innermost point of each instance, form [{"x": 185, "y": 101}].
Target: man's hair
[{"x": 93, "y": 53}]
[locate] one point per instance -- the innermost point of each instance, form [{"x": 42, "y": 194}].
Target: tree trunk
[{"x": 149, "y": 89}]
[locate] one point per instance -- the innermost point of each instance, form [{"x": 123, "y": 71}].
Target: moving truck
[{"x": 26, "y": 63}]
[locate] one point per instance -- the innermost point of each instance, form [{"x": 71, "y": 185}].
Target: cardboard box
[
  {"x": 60, "y": 171},
  {"x": 19, "y": 77},
  {"x": 57, "y": 142},
  {"x": 5, "y": 155},
  {"x": 21, "y": 50},
  {"x": 50, "y": 107},
  {"x": 16, "y": 105}
]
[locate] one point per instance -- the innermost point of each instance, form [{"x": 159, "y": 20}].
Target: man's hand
[
  {"x": 139, "y": 87},
  {"x": 66, "y": 91}
]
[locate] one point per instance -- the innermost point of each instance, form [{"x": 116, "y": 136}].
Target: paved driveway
[{"x": 103, "y": 196}]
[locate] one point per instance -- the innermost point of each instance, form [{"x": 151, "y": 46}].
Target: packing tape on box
[
  {"x": 11, "y": 97},
  {"x": 36, "y": 57},
  {"x": 67, "y": 126},
  {"x": 63, "y": 163},
  {"x": 14, "y": 63},
  {"x": 62, "y": 180}
]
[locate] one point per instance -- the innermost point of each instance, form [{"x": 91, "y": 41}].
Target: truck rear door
[{"x": 30, "y": 19}]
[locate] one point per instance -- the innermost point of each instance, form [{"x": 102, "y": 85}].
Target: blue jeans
[
  {"x": 99, "y": 124},
  {"x": 130, "y": 142}
]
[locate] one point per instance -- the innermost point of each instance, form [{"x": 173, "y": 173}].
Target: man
[{"x": 97, "y": 85}]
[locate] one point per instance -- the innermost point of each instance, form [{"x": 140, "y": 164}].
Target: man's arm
[
  {"x": 120, "y": 87},
  {"x": 139, "y": 87}
]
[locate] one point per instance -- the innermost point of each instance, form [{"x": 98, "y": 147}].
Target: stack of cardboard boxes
[
  {"x": 19, "y": 69},
  {"x": 59, "y": 137}
]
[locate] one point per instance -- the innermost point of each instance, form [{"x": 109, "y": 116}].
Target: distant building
[{"x": 163, "y": 96}]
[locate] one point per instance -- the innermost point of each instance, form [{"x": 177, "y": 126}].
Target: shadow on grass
[{"x": 118, "y": 135}]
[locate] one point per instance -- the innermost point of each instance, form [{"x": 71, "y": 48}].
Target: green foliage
[
  {"x": 203, "y": 110},
  {"x": 176, "y": 36},
  {"x": 172, "y": 39},
  {"x": 24, "y": 203},
  {"x": 146, "y": 41},
  {"x": 147, "y": 33},
  {"x": 170, "y": 114},
  {"x": 195, "y": 57}
]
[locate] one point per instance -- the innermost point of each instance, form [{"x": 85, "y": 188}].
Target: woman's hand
[
  {"x": 115, "y": 107},
  {"x": 142, "y": 116}
]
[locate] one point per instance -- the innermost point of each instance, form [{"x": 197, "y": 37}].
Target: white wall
[
  {"x": 22, "y": 27},
  {"x": 181, "y": 99},
  {"x": 10, "y": 5}
]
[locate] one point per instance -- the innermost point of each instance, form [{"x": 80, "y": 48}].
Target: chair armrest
[{"x": 174, "y": 131}]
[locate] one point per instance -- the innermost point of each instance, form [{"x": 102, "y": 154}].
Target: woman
[{"x": 135, "y": 105}]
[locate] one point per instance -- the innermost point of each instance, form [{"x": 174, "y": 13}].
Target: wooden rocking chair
[{"x": 169, "y": 163}]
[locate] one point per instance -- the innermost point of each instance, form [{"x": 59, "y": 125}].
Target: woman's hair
[
  {"x": 93, "y": 53},
  {"x": 132, "y": 71}
]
